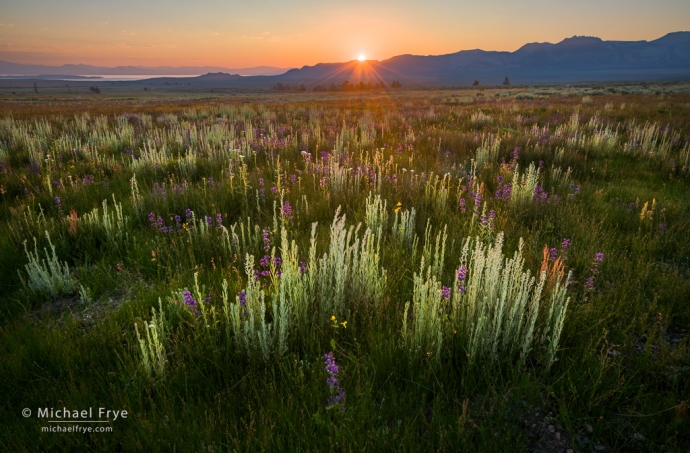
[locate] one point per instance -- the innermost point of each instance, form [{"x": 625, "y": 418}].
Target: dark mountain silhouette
[
  {"x": 576, "y": 59},
  {"x": 580, "y": 58}
]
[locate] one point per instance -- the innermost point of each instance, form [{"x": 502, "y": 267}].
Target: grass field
[{"x": 450, "y": 270}]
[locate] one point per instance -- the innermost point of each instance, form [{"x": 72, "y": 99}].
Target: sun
[{"x": 362, "y": 58}]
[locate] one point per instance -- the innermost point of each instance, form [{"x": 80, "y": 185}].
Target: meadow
[{"x": 424, "y": 270}]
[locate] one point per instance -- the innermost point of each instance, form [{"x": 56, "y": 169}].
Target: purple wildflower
[
  {"x": 553, "y": 253},
  {"x": 461, "y": 275},
  {"x": 267, "y": 240},
  {"x": 445, "y": 292},
  {"x": 337, "y": 393},
  {"x": 58, "y": 204},
  {"x": 286, "y": 210},
  {"x": 565, "y": 245},
  {"x": 598, "y": 259},
  {"x": 190, "y": 302}
]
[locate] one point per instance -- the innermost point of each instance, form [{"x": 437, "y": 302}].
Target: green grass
[{"x": 623, "y": 360}]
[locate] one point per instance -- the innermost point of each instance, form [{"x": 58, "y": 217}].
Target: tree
[
  {"x": 332, "y": 87},
  {"x": 35, "y": 88},
  {"x": 95, "y": 89},
  {"x": 506, "y": 81},
  {"x": 476, "y": 83},
  {"x": 301, "y": 87},
  {"x": 396, "y": 84}
]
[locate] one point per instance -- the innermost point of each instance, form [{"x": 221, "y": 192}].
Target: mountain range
[
  {"x": 576, "y": 59},
  {"x": 580, "y": 58}
]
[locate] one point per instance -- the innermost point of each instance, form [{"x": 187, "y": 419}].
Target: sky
[{"x": 240, "y": 34}]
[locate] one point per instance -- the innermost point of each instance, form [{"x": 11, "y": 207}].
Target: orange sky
[{"x": 235, "y": 34}]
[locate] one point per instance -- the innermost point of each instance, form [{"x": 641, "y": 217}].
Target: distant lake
[{"x": 99, "y": 78}]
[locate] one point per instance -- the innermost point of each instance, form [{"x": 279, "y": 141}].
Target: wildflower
[
  {"x": 344, "y": 324},
  {"x": 58, "y": 203},
  {"x": 219, "y": 221},
  {"x": 553, "y": 253},
  {"x": 286, "y": 211},
  {"x": 242, "y": 296},
  {"x": 461, "y": 275},
  {"x": 333, "y": 318},
  {"x": 565, "y": 245},
  {"x": 462, "y": 203},
  {"x": 190, "y": 301},
  {"x": 337, "y": 393},
  {"x": 598, "y": 259},
  {"x": 445, "y": 292},
  {"x": 302, "y": 267}
]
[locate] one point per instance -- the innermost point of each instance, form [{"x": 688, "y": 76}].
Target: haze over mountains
[
  {"x": 9, "y": 68},
  {"x": 576, "y": 59}
]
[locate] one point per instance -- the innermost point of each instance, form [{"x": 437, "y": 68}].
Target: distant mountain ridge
[
  {"x": 580, "y": 58},
  {"x": 576, "y": 59},
  {"x": 9, "y": 68}
]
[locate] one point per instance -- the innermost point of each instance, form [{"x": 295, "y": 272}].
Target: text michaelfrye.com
[{"x": 84, "y": 421}]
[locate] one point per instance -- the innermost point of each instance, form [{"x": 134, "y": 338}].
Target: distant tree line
[
  {"x": 345, "y": 86},
  {"x": 506, "y": 82}
]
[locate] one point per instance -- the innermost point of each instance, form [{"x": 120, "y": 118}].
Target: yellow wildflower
[
  {"x": 333, "y": 318},
  {"x": 344, "y": 323}
]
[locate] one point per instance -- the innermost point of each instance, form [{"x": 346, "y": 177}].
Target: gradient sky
[{"x": 236, "y": 34}]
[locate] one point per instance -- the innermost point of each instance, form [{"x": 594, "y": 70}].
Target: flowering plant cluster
[
  {"x": 594, "y": 271},
  {"x": 337, "y": 397}
]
